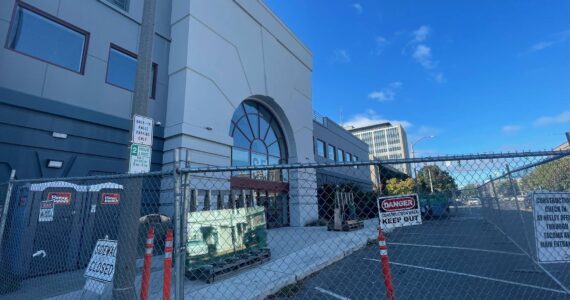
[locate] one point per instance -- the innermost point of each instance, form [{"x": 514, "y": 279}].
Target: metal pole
[
  {"x": 496, "y": 199},
  {"x": 514, "y": 191},
  {"x": 430, "y": 182},
  {"x": 178, "y": 227},
  {"x": 124, "y": 282},
  {"x": 6, "y": 206}
]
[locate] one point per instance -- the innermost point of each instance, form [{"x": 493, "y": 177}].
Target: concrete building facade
[
  {"x": 333, "y": 143},
  {"x": 213, "y": 61},
  {"x": 386, "y": 141}
]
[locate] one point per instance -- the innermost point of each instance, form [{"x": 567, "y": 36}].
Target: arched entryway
[{"x": 258, "y": 140}]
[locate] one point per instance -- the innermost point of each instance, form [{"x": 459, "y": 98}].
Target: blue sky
[{"x": 483, "y": 76}]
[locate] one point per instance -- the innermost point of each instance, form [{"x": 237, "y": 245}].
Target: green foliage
[
  {"x": 395, "y": 186},
  {"x": 469, "y": 190},
  {"x": 552, "y": 176},
  {"x": 442, "y": 182}
]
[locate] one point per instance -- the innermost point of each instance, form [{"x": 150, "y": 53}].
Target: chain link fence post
[
  {"x": 496, "y": 197},
  {"x": 6, "y": 206},
  {"x": 515, "y": 195},
  {"x": 178, "y": 210}
]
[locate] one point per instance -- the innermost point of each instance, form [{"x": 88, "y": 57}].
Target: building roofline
[{"x": 379, "y": 125}]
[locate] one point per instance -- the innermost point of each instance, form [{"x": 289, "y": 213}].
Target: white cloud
[
  {"x": 423, "y": 56},
  {"x": 554, "y": 39},
  {"x": 421, "y": 34},
  {"x": 439, "y": 78},
  {"x": 381, "y": 43},
  {"x": 563, "y": 117},
  {"x": 357, "y": 7},
  {"x": 341, "y": 56},
  {"x": 511, "y": 128},
  {"x": 370, "y": 117},
  {"x": 386, "y": 94}
]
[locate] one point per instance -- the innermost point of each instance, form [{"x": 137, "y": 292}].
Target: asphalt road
[{"x": 461, "y": 257}]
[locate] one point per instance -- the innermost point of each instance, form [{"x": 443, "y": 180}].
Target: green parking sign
[{"x": 139, "y": 161}]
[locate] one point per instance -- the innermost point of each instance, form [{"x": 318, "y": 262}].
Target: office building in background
[{"x": 385, "y": 141}]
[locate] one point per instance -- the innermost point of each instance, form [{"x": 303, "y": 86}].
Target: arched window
[{"x": 258, "y": 139}]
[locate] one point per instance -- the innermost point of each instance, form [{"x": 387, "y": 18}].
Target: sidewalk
[{"x": 296, "y": 252}]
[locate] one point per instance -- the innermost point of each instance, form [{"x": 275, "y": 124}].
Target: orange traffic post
[
  {"x": 385, "y": 265},
  {"x": 167, "y": 265},
  {"x": 148, "y": 247}
]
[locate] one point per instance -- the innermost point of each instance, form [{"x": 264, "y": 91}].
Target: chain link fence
[{"x": 299, "y": 231}]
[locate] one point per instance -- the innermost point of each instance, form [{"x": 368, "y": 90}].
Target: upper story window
[
  {"x": 320, "y": 148},
  {"x": 354, "y": 158},
  {"x": 339, "y": 155},
  {"x": 37, "y": 34},
  {"x": 121, "y": 4},
  {"x": 348, "y": 157},
  {"x": 122, "y": 70},
  {"x": 331, "y": 151}
]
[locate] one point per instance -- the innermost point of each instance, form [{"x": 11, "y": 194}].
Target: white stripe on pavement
[
  {"x": 458, "y": 248},
  {"x": 337, "y": 296},
  {"x": 474, "y": 276}
]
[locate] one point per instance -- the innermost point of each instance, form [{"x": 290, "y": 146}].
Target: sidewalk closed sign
[
  {"x": 399, "y": 211},
  {"x": 552, "y": 226},
  {"x": 101, "y": 267}
]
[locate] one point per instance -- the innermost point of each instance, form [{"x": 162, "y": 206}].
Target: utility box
[{"x": 226, "y": 240}]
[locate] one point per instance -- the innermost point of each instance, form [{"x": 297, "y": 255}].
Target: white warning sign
[
  {"x": 399, "y": 211},
  {"x": 46, "y": 211},
  {"x": 101, "y": 266},
  {"x": 552, "y": 226}
]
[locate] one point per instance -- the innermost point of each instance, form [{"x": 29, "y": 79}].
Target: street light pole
[{"x": 414, "y": 156}]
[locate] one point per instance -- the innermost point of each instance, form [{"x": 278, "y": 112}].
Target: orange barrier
[
  {"x": 148, "y": 247},
  {"x": 167, "y": 265},
  {"x": 385, "y": 265}
]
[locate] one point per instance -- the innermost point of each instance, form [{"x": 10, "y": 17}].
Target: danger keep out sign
[
  {"x": 552, "y": 226},
  {"x": 399, "y": 211}
]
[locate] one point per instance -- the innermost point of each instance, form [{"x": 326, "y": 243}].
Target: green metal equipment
[{"x": 223, "y": 241}]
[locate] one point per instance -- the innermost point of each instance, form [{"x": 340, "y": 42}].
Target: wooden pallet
[
  {"x": 346, "y": 226},
  {"x": 229, "y": 266}
]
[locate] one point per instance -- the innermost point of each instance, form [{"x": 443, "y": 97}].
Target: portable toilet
[
  {"x": 102, "y": 218},
  {"x": 51, "y": 231}
]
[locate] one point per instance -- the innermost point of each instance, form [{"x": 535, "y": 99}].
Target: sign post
[
  {"x": 551, "y": 226},
  {"x": 399, "y": 211}
]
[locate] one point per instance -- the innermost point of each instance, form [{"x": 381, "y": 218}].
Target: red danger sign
[
  {"x": 59, "y": 197},
  {"x": 398, "y": 203},
  {"x": 110, "y": 198},
  {"x": 398, "y": 211}
]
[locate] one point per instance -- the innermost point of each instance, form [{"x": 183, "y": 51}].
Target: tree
[
  {"x": 441, "y": 181},
  {"x": 552, "y": 176},
  {"x": 469, "y": 190},
  {"x": 395, "y": 186}
]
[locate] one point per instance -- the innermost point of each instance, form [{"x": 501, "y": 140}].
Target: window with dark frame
[
  {"x": 331, "y": 152},
  {"x": 122, "y": 69},
  {"x": 121, "y": 4},
  {"x": 320, "y": 145},
  {"x": 339, "y": 155},
  {"x": 40, "y": 35}
]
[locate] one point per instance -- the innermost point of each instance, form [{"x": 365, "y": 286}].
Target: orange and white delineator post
[
  {"x": 385, "y": 265},
  {"x": 167, "y": 265},
  {"x": 148, "y": 247}
]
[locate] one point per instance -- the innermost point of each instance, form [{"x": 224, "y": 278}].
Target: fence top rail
[
  {"x": 442, "y": 158},
  {"x": 95, "y": 177}
]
